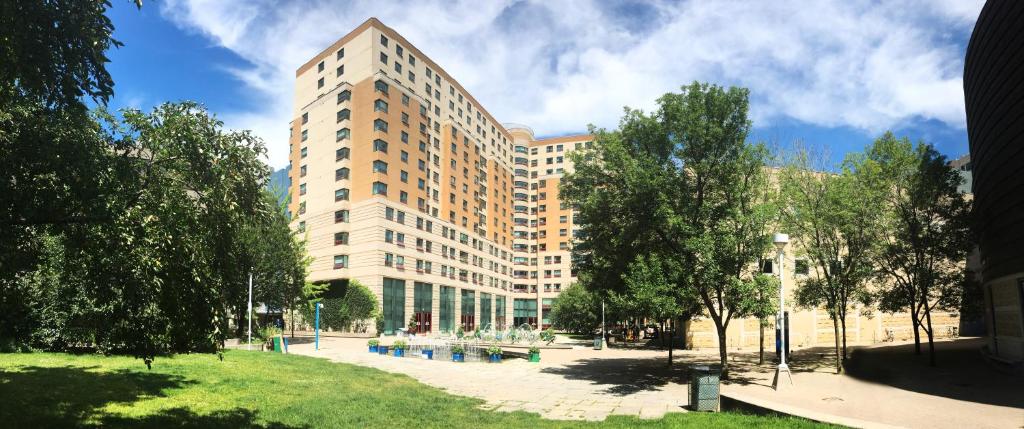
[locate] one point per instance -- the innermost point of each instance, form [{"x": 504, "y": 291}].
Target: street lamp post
[
  {"x": 780, "y": 243},
  {"x": 316, "y": 327}
]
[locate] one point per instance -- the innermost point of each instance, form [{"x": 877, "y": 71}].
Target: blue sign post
[{"x": 316, "y": 328}]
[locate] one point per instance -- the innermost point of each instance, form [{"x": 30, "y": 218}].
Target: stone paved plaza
[
  {"x": 886, "y": 386},
  {"x": 566, "y": 384}
]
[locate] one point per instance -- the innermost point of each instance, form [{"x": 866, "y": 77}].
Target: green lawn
[{"x": 252, "y": 389}]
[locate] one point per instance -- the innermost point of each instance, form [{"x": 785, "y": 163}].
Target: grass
[{"x": 262, "y": 390}]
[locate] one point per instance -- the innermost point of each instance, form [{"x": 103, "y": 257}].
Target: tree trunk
[
  {"x": 916, "y": 323},
  {"x": 671, "y": 326},
  {"x": 842, "y": 320},
  {"x": 931, "y": 336},
  {"x": 760, "y": 356},
  {"x": 835, "y": 329},
  {"x": 722, "y": 353},
  {"x": 662, "y": 330},
  {"x": 292, "y": 312}
]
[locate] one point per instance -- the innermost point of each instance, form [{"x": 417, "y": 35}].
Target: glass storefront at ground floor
[
  {"x": 423, "y": 298},
  {"x": 447, "y": 309},
  {"x": 468, "y": 310},
  {"x": 485, "y": 311},
  {"x": 524, "y": 312},
  {"x": 394, "y": 305}
]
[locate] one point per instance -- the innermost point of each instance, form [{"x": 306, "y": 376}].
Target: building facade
[
  {"x": 401, "y": 180},
  {"x": 994, "y": 100}
]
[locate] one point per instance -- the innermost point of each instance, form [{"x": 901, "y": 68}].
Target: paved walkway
[
  {"x": 886, "y": 386},
  {"x": 889, "y": 385},
  {"x": 566, "y": 384}
]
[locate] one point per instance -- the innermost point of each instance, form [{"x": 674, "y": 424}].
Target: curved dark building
[{"x": 994, "y": 95}]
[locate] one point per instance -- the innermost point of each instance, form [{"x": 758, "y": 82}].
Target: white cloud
[{"x": 558, "y": 66}]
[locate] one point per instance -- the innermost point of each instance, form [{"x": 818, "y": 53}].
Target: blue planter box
[
  {"x": 495, "y": 358},
  {"x": 429, "y": 354},
  {"x": 373, "y": 349},
  {"x": 458, "y": 357},
  {"x": 382, "y": 350},
  {"x": 399, "y": 352}
]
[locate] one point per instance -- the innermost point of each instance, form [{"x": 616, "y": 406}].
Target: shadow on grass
[{"x": 70, "y": 396}]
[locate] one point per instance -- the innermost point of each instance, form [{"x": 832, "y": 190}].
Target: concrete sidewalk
[{"x": 887, "y": 385}]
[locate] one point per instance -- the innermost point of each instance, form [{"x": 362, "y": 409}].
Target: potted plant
[
  {"x": 427, "y": 352},
  {"x": 399, "y": 346},
  {"x": 460, "y": 333},
  {"x": 458, "y": 353},
  {"x": 412, "y": 327},
  {"x": 534, "y": 354},
  {"x": 382, "y": 349},
  {"x": 495, "y": 354},
  {"x": 373, "y": 343}
]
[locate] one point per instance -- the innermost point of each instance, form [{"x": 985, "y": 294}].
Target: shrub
[
  {"x": 494, "y": 350},
  {"x": 268, "y": 332},
  {"x": 460, "y": 333},
  {"x": 373, "y": 342},
  {"x": 458, "y": 349},
  {"x": 399, "y": 345}
]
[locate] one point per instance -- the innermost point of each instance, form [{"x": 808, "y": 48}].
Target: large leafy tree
[
  {"x": 672, "y": 182},
  {"x": 836, "y": 220},
  {"x": 576, "y": 310},
  {"x": 923, "y": 254}
]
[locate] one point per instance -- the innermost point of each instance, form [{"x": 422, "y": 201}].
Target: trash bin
[
  {"x": 597, "y": 342},
  {"x": 704, "y": 387}
]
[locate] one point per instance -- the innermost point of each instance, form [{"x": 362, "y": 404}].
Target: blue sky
[{"x": 833, "y": 74}]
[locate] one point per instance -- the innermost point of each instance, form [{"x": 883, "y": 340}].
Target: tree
[
  {"x": 671, "y": 182},
  {"x": 356, "y": 305},
  {"x": 923, "y": 256},
  {"x": 576, "y": 310},
  {"x": 837, "y": 222}
]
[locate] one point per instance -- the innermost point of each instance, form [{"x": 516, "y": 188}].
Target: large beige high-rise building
[{"x": 402, "y": 180}]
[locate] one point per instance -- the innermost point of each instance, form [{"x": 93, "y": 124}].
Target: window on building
[
  {"x": 344, "y": 115},
  {"x": 380, "y": 146},
  {"x": 341, "y": 216},
  {"x": 380, "y": 167},
  {"x": 320, "y": 83},
  {"x": 380, "y": 106},
  {"x": 340, "y": 70},
  {"x": 381, "y": 86},
  {"x": 383, "y": 40},
  {"x": 341, "y": 153},
  {"x": 305, "y": 118},
  {"x": 340, "y": 261},
  {"x": 345, "y": 95},
  {"x": 305, "y": 135},
  {"x": 340, "y": 238},
  {"x": 341, "y": 53},
  {"x": 302, "y": 171},
  {"x": 302, "y": 189},
  {"x": 341, "y": 194},
  {"x": 342, "y": 134},
  {"x": 404, "y": 176},
  {"x": 303, "y": 152},
  {"x": 380, "y": 188},
  {"x": 383, "y": 58},
  {"x": 380, "y": 125},
  {"x": 403, "y": 196}
]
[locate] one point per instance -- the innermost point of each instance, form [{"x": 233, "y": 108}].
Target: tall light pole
[
  {"x": 604, "y": 335},
  {"x": 780, "y": 243},
  {"x": 316, "y": 327},
  {"x": 248, "y": 312}
]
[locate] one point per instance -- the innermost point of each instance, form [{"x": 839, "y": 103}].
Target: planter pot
[
  {"x": 399, "y": 352},
  {"x": 382, "y": 350},
  {"x": 428, "y": 354},
  {"x": 373, "y": 349},
  {"x": 534, "y": 357},
  {"x": 458, "y": 357},
  {"x": 495, "y": 358}
]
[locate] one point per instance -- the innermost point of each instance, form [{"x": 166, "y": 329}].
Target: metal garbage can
[
  {"x": 597, "y": 342},
  {"x": 704, "y": 387}
]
